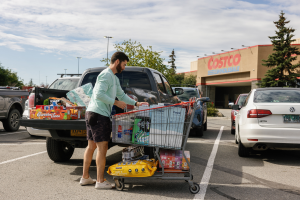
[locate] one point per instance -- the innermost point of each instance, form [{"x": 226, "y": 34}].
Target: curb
[{"x": 218, "y": 118}]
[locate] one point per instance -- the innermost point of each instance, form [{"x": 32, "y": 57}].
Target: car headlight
[{"x": 235, "y": 113}]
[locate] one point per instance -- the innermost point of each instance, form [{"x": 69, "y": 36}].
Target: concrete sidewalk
[{"x": 225, "y": 112}]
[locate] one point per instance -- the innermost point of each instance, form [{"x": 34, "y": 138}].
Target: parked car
[
  {"x": 64, "y": 83},
  {"x": 240, "y": 100},
  {"x": 148, "y": 85},
  {"x": 269, "y": 119},
  {"x": 200, "y": 118},
  {"x": 12, "y": 106}
]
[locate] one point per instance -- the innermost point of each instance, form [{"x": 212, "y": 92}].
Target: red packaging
[
  {"x": 42, "y": 107},
  {"x": 167, "y": 158}
]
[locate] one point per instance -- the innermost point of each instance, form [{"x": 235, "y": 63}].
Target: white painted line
[
  {"x": 209, "y": 167},
  {"x": 8, "y": 161},
  {"x": 25, "y": 143}
]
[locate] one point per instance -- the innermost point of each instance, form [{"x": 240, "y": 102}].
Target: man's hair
[{"x": 119, "y": 55}]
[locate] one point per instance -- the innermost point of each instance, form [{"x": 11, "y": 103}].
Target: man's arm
[
  {"x": 101, "y": 87},
  {"x": 123, "y": 97}
]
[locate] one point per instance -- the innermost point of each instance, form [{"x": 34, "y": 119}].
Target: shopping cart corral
[{"x": 160, "y": 127}]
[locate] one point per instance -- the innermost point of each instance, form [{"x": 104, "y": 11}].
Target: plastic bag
[{"x": 138, "y": 168}]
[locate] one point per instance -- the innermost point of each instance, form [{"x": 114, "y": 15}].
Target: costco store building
[{"x": 222, "y": 77}]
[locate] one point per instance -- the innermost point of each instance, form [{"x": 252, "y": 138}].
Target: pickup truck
[
  {"x": 63, "y": 136},
  {"x": 12, "y": 105}
]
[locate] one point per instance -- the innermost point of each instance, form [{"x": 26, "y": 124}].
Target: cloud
[{"x": 192, "y": 28}]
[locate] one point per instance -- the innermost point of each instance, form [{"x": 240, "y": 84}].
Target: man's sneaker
[
  {"x": 88, "y": 181},
  {"x": 104, "y": 185}
]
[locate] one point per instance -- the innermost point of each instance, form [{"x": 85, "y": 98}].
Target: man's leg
[
  {"x": 101, "y": 160},
  {"x": 88, "y": 156}
]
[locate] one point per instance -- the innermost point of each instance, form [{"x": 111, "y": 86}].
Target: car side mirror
[
  {"x": 179, "y": 91},
  {"x": 236, "y": 107}
]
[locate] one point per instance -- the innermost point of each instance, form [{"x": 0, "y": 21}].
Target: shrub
[{"x": 211, "y": 110}]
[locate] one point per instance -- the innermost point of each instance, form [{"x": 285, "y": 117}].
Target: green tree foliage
[
  {"x": 143, "y": 57},
  {"x": 30, "y": 83},
  {"x": 172, "y": 62},
  {"x": 9, "y": 78},
  {"x": 178, "y": 79},
  {"x": 284, "y": 72},
  {"x": 189, "y": 80}
]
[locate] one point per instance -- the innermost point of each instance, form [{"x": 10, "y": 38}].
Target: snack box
[
  {"x": 81, "y": 109},
  {"x": 53, "y": 114},
  {"x": 167, "y": 158},
  {"x": 173, "y": 159}
]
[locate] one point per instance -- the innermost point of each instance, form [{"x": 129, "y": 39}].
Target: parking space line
[
  {"x": 8, "y": 161},
  {"x": 209, "y": 167}
]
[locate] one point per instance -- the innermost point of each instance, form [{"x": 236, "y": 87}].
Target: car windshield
[
  {"x": 64, "y": 84},
  {"x": 188, "y": 93},
  {"x": 241, "y": 100},
  {"x": 277, "y": 96}
]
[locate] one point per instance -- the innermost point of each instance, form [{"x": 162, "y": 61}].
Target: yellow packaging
[{"x": 138, "y": 168}]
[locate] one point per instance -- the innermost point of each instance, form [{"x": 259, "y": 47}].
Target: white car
[{"x": 269, "y": 119}]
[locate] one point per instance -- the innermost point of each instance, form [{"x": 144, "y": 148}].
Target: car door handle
[{"x": 163, "y": 100}]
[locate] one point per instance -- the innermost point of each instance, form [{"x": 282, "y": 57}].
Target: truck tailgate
[{"x": 54, "y": 124}]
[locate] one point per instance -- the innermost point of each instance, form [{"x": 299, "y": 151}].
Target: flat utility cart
[{"x": 160, "y": 127}]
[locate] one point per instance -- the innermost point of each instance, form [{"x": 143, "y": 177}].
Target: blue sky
[{"x": 42, "y": 38}]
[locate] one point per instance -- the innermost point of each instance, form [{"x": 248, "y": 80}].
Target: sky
[{"x": 41, "y": 38}]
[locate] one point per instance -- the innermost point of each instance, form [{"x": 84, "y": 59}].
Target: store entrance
[{"x": 224, "y": 95}]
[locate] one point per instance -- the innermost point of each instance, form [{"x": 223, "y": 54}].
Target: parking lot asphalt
[{"x": 28, "y": 173}]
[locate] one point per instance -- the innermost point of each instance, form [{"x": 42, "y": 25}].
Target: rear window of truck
[{"x": 128, "y": 79}]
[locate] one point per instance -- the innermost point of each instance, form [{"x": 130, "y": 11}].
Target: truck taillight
[
  {"x": 31, "y": 100},
  {"x": 258, "y": 113}
]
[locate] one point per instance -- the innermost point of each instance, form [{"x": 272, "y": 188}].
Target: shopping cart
[{"x": 161, "y": 127}]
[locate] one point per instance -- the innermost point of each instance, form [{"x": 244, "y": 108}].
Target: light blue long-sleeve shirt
[{"x": 106, "y": 89}]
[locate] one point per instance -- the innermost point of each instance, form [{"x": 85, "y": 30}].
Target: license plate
[
  {"x": 291, "y": 118},
  {"x": 78, "y": 133}
]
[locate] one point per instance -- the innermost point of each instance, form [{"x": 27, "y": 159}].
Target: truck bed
[{"x": 78, "y": 124}]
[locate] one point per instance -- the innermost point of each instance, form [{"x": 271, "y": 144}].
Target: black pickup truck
[
  {"x": 12, "y": 105},
  {"x": 146, "y": 84}
]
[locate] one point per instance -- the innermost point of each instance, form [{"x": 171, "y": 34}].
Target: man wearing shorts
[{"x": 97, "y": 117}]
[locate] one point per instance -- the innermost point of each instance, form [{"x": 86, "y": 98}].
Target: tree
[
  {"x": 143, "y": 57},
  {"x": 190, "y": 80},
  {"x": 9, "y": 78},
  {"x": 30, "y": 83},
  {"x": 283, "y": 72},
  {"x": 172, "y": 61}
]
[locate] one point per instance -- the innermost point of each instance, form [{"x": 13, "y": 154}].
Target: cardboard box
[
  {"x": 184, "y": 163},
  {"x": 173, "y": 159}
]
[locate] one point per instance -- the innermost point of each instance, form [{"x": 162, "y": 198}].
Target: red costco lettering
[{"x": 224, "y": 61}]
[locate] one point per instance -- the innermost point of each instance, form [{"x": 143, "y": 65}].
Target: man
[{"x": 98, "y": 123}]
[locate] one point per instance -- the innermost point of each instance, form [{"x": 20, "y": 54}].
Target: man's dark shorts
[{"x": 98, "y": 127}]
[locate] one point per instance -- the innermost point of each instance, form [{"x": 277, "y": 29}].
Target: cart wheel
[
  {"x": 195, "y": 189},
  {"x": 121, "y": 185}
]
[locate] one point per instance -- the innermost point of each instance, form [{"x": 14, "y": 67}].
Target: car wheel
[
  {"x": 59, "y": 151},
  {"x": 205, "y": 125},
  {"x": 199, "y": 131},
  {"x": 232, "y": 131},
  {"x": 243, "y": 151},
  {"x": 12, "y": 122}
]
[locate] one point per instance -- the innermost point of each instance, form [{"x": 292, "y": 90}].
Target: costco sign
[{"x": 216, "y": 66}]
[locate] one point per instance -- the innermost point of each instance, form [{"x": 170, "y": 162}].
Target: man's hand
[
  {"x": 120, "y": 104},
  {"x": 142, "y": 103}
]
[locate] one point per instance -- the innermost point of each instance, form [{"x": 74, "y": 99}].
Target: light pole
[
  {"x": 46, "y": 80},
  {"x": 65, "y": 71},
  {"x": 78, "y": 63},
  {"x": 107, "y": 47}
]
